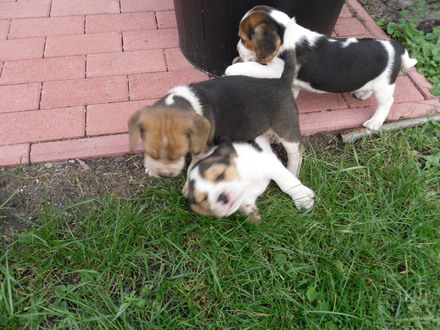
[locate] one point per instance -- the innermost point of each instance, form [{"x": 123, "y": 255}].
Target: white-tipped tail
[{"x": 408, "y": 62}]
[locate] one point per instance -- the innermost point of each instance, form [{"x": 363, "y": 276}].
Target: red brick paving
[{"x": 73, "y": 71}]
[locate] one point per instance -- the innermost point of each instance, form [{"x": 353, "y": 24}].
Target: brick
[
  {"x": 146, "y": 5},
  {"x": 405, "y": 91},
  {"x": 83, "y": 44},
  {"x": 421, "y": 83},
  {"x": 43, "y": 69},
  {"x": 150, "y": 39},
  {"x": 84, "y": 7},
  {"x": 125, "y": 63},
  {"x": 112, "y": 118},
  {"x": 50, "y": 26},
  {"x": 19, "y": 97},
  {"x": 350, "y": 27},
  {"x": 14, "y": 154},
  {"x": 113, "y": 145},
  {"x": 21, "y": 49},
  {"x": 413, "y": 109},
  {"x": 345, "y": 12},
  {"x": 309, "y": 102},
  {"x": 4, "y": 27},
  {"x": 337, "y": 120},
  {"x": 368, "y": 21},
  {"x": 41, "y": 125},
  {"x": 84, "y": 91},
  {"x": 334, "y": 120},
  {"x": 155, "y": 85},
  {"x": 166, "y": 19},
  {"x": 120, "y": 22},
  {"x": 176, "y": 61},
  {"x": 24, "y": 9}
]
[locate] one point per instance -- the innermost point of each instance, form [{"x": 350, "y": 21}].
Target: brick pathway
[{"x": 73, "y": 71}]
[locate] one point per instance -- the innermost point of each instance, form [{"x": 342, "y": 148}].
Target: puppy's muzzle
[{"x": 222, "y": 198}]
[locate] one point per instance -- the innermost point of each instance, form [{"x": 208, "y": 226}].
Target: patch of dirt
[
  {"x": 391, "y": 8},
  {"x": 26, "y": 190}
]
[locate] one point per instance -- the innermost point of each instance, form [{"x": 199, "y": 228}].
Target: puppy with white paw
[
  {"x": 235, "y": 174},
  {"x": 324, "y": 64},
  {"x": 192, "y": 118}
]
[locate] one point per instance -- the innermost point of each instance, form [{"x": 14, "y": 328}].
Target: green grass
[
  {"x": 425, "y": 47},
  {"x": 366, "y": 256}
]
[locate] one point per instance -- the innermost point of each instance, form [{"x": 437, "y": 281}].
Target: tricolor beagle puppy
[
  {"x": 324, "y": 64},
  {"x": 191, "y": 119},
  {"x": 233, "y": 176}
]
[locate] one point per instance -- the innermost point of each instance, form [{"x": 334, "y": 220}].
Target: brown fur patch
[
  {"x": 169, "y": 133},
  {"x": 218, "y": 172},
  {"x": 259, "y": 34}
]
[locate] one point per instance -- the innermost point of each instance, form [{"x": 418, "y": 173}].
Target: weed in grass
[
  {"x": 425, "y": 47},
  {"x": 366, "y": 256}
]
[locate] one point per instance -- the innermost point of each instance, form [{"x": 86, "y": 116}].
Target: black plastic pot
[{"x": 208, "y": 28}]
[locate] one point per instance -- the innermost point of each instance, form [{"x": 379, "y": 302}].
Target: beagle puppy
[
  {"x": 191, "y": 119},
  {"x": 324, "y": 64},
  {"x": 235, "y": 174}
]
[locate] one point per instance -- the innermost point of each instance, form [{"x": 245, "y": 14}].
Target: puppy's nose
[{"x": 223, "y": 198}]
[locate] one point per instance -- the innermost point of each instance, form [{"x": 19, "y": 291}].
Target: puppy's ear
[
  {"x": 266, "y": 43},
  {"x": 134, "y": 129},
  {"x": 225, "y": 149},
  {"x": 198, "y": 134}
]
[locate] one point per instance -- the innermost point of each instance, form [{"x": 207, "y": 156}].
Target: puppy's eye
[{"x": 220, "y": 177}]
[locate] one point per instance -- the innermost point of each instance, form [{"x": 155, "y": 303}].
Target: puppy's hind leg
[
  {"x": 385, "y": 100},
  {"x": 362, "y": 94},
  {"x": 294, "y": 152}
]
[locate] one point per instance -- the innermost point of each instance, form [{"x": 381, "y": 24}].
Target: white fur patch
[
  {"x": 295, "y": 33},
  {"x": 280, "y": 17},
  {"x": 256, "y": 169},
  {"x": 348, "y": 42},
  {"x": 186, "y": 93}
]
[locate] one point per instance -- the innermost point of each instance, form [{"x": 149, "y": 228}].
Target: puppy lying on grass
[{"x": 233, "y": 176}]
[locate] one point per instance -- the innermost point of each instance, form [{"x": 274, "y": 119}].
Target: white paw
[
  {"x": 373, "y": 125},
  {"x": 303, "y": 198},
  {"x": 232, "y": 70},
  {"x": 251, "y": 209},
  {"x": 362, "y": 95}
]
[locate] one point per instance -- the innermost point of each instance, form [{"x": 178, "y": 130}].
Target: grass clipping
[{"x": 366, "y": 256}]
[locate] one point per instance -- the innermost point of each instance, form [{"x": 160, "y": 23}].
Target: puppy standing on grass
[
  {"x": 324, "y": 64},
  {"x": 233, "y": 176},
  {"x": 192, "y": 118}
]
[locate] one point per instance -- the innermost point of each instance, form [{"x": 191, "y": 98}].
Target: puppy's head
[
  {"x": 215, "y": 188},
  {"x": 260, "y": 35},
  {"x": 168, "y": 134}
]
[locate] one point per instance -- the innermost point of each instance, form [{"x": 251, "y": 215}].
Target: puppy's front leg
[
  {"x": 250, "y": 208},
  {"x": 273, "y": 69},
  {"x": 289, "y": 183},
  {"x": 385, "y": 100}
]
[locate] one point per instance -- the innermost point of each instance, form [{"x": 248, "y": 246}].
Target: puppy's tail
[
  {"x": 408, "y": 62},
  {"x": 288, "y": 54}
]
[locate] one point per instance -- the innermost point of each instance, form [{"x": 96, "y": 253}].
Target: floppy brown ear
[
  {"x": 266, "y": 43},
  {"x": 134, "y": 129},
  {"x": 199, "y": 134}
]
